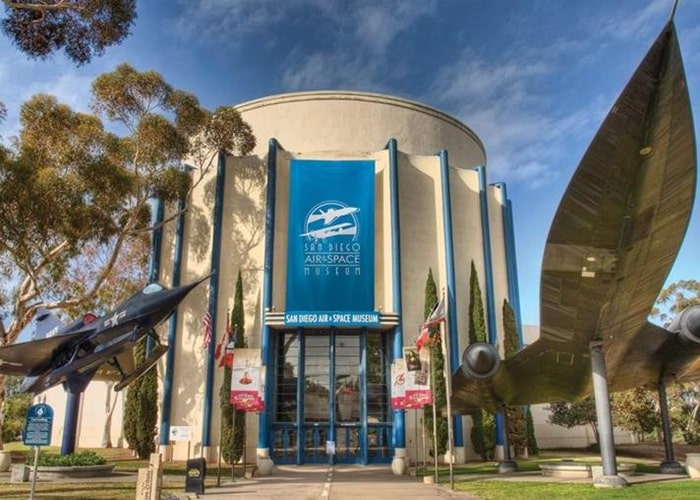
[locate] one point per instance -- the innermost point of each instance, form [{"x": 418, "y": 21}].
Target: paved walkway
[{"x": 339, "y": 482}]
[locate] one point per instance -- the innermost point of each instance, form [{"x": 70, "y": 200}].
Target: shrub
[{"x": 82, "y": 458}]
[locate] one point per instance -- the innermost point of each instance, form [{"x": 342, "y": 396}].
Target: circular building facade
[{"x": 349, "y": 206}]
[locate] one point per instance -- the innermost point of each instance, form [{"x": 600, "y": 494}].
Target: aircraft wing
[
  {"x": 24, "y": 357},
  {"x": 611, "y": 245}
]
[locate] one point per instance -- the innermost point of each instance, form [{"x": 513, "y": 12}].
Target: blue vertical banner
[{"x": 330, "y": 256}]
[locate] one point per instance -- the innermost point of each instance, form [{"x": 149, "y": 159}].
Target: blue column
[
  {"x": 156, "y": 241},
  {"x": 75, "y": 386},
  {"x": 264, "y": 420},
  {"x": 164, "y": 437},
  {"x": 511, "y": 260},
  {"x": 399, "y": 427},
  {"x": 214, "y": 295},
  {"x": 453, "y": 331},
  {"x": 156, "y": 248},
  {"x": 488, "y": 270}
]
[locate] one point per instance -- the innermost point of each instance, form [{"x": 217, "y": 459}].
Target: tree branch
[{"x": 42, "y": 6}]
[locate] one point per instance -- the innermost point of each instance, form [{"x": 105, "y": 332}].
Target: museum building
[{"x": 334, "y": 221}]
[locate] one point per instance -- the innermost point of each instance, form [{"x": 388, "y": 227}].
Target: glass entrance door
[
  {"x": 317, "y": 397},
  {"x": 347, "y": 404},
  {"x": 331, "y": 397}
]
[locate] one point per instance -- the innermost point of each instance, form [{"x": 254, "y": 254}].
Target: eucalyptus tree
[
  {"x": 69, "y": 186},
  {"x": 81, "y": 28}
]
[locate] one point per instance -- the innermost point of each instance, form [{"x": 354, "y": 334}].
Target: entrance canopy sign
[
  {"x": 338, "y": 318},
  {"x": 330, "y": 256}
]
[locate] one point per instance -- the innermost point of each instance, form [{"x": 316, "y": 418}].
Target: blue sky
[{"x": 533, "y": 79}]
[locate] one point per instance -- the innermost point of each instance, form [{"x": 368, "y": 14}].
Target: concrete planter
[
  {"x": 5, "y": 460},
  {"x": 692, "y": 465}
]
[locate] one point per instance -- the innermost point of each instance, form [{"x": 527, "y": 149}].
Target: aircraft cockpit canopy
[{"x": 152, "y": 288}]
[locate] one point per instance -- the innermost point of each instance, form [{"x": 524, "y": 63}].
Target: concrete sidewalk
[{"x": 339, "y": 482}]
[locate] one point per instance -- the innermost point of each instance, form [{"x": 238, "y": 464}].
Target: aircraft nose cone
[{"x": 480, "y": 361}]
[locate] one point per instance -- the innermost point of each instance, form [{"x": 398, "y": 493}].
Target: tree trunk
[
  {"x": 109, "y": 411},
  {"x": 3, "y": 380}
]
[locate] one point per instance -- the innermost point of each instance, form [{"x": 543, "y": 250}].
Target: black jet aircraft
[
  {"x": 610, "y": 247},
  {"x": 94, "y": 347}
]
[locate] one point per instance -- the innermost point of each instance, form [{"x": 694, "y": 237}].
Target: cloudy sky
[{"x": 533, "y": 78}]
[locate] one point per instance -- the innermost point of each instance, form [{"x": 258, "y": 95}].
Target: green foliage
[
  {"x": 483, "y": 430},
  {"x": 141, "y": 411},
  {"x": 79, "y": 459},
  {"x": 636, "y": 411},
  {"x": 674, "y": 298},
  {"x": 233, "y": 436},
  {"x": 226, "y": 416},
  {"x": 477, "y": 319},
  {"x": 15, "y": 411},
  {"x": 532, "y": 447},
  {"x": 437, "y": 366},
  {"x": 571, "y": 414},
  {"x": 511, "y": 344},
  {"x": 516, "y": 424},
  {"x": 683, "y": 404},
  {"x": 83, "y": 29},
  {"x": 482, "y": 434}
]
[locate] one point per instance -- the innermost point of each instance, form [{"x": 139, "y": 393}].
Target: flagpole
[
  {"x": 435, "y": 447},
  {"x": 448, "y": 390}
]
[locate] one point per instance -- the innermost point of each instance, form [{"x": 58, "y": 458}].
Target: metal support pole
[
  {"x": 448, "y": 390},
  {"x": 233, "y": 445},
  {"x": 609, "y": 479},
  {"x": 507, "y": 464},
  {"x": 435, "y": 448},
  {"x": 669, "y": 465}
]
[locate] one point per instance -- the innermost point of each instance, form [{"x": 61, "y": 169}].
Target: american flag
[
  {"x": 436, "y": 316},
  {"x": 206, "y": 325}
]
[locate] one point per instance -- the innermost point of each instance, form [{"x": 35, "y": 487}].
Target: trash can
[{"x": 195, "y": 474}]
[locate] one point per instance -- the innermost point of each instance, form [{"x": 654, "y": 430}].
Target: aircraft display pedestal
[
  {"x": 609, "y": 482},
  {"x": 671, "y": 467},
  {"x": 506, "y": 466},
  {"x": 264, "y": 462},
  {"x": 398, "y": 463}
]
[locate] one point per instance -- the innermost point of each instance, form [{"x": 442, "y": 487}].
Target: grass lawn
[
  {"x": 670, "y": 490},
  {"x": 114, "y": 487},
  {"x": 477, "y": 478}
]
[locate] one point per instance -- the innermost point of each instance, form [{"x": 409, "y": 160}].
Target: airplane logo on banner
[{"x": 320, "y": 220}]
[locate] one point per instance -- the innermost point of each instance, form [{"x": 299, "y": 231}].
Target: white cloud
[
  {"x": 360, "y": 34},
  {"x": 639, "y": 24},
  {"x": 528, "y": 133}
]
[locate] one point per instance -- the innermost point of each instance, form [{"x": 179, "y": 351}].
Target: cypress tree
[
  {"x": 233, "y": 436},
  {"x": 517, "y": 428},
  {"x": 141, "y": 411},
  {"x": 437, "y": 365},
  {"x": 483, "y": 425},
  {"x": 477, "y": 318},
  {"x": 532, "y": 447}
]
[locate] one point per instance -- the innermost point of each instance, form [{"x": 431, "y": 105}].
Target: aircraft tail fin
[{"x": 46, "y": 324}]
